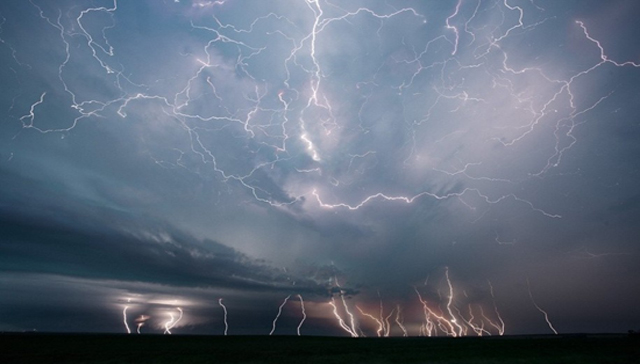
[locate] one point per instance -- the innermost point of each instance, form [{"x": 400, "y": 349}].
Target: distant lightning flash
[
  {"x": 352, "y": 328},
  {"x": 140, "y": 322},
  {"x": 384, "y": 325},
  {"x": 428, "y": 327},
  {"x": 124, "y": 317},
  {"x": 224, "y": 310},
  {"x": 341, "y": 322},
  {"x": 546, "y": 315},
  {"x": 167, "y": 324},
  {"x": 501, "y": 325},
  {"x": 346, "y": 309},
  {"x": 179, "y": 317},
  {"x": 450, "y": 302},
  {"x": 275, "y": 320},
  {"x": 459, "y": 323},
  {"x": 399, "y": 321},
  {"x": 380, "y": 330},
  {"x": 172, "y": 321},
  {"x": 304, "y": 315}
]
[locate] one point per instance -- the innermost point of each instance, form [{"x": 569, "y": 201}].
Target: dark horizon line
[{"x": 505, "y": 336}]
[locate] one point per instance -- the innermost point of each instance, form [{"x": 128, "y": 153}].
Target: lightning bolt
[
  {"x": 546, "y": 315},
  {"x": 399, "y": 321},
  {"x": 275, "y": 320},
  {"x": 441, "y": 321},
  {"x": 341, "y": 322},
  {"x": 349, "y": 329},
  {"x": 457, "y": 324},
  {"x": 28, "y": 119},
  {"x": 346, "y": 309},
  {"x": 453, "y": 319},
  {"x": 167, "y": 324},
  {"x": 304, "y": 315},
  {"x": 224, "y": 310},
  {"x": 172, "y": 321},
  {"x": 499, "y": 326},
  {"x": 454, "y": 29},
  {"x": 477, "y": 328},
  {"x": 124, "y": 317},
  {"x": 380, "y": 330},
  {"x": 140, "y": 322}
]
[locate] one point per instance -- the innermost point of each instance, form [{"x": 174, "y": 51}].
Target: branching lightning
[
  {"x": 446, "y": 317},
  {"x": 351, "y": 328},
  {"x": 500, "y": 325},
  {"x": 172, "y": 322},
  {"x": 295, "y": 115},
  {"x": 304, "y": 138},
  {"x": 380, "y": 330}
]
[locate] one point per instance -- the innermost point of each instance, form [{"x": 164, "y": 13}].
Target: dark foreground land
[{"x": 92, "y": 348}]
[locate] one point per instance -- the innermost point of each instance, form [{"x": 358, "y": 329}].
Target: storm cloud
[{"x": 381, "y": 157}]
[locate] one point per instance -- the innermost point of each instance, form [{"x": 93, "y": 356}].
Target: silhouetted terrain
[{"x": 100, "y": 348}]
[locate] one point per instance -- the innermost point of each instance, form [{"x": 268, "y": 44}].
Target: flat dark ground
[{"x": 92, "y": 348}]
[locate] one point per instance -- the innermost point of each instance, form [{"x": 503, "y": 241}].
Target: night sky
[{"x": 410, "y": 168}]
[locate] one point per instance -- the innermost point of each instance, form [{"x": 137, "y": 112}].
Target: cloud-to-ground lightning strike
[
  {"x": 341, "y": 322},
  {"x": 168, "y": 323},
  {"x": 275, "y": 320},
  {"x": 172, "y": 322},
  {"x": 546, "y": 315},
  {"x": 498, "y": 325},
  {"x": 304, "y": 315},
  {"x": 477, "y": 328},
  {"x": 429, "y": 327},
  {"x": 124, "y": 317},
  {"x": 453, "y": 319},
  {"x": 439, "y": 316},
  {"x": 224, "y": 317},
  {"x": 352, "y": 318},
  {"x": 140, "y": 321},
  {"x": 399, "y": 321},
  {"x": 380, "y": 329},
  {"x": 351, "y": 329},
  {"x": 384, "y": 325}
]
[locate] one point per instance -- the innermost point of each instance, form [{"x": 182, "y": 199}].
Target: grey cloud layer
[{"x": 246, "y": 145}]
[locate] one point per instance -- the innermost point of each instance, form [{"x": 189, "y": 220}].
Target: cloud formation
[{"x": 438, "y": 159}]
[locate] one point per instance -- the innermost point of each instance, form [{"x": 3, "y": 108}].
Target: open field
[{"x": 102, "y": 348}]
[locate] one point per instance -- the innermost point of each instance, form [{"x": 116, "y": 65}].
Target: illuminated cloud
[{"x": 264, "y": 150}]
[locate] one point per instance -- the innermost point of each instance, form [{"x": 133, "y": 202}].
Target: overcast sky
[{"x": 429, "y": 167}]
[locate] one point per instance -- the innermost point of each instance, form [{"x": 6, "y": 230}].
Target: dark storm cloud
[
  {"x": 260, "y": 149},
  {"x": 47, "y": 231}
]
